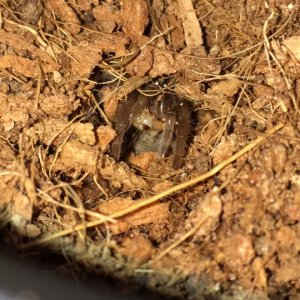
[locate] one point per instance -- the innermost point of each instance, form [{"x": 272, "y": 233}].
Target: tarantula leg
[
  {"x": 116, "y": 146},
  {"x": 183, "y": 130},
  {"x": 167, "y": 134},
  {"x": 126, "y": 113}
]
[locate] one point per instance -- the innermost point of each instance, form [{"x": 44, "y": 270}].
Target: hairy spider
[{"x": 160, "y": 123}]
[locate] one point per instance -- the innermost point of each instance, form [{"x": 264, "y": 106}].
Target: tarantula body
[{"x": 163, "y": 123}]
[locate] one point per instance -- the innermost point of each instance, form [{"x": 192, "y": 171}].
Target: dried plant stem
[
  {"x": 182, "y": 238},
  {"x": 94, "y": 214}
]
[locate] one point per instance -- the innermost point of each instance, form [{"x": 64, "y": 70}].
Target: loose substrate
[{"x": 226, "y": 224}]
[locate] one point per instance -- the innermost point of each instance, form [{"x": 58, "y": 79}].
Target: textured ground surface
[{"x": 65, "y": 67}]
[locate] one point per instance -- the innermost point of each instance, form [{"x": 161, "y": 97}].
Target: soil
[{"x": 225, "y": 225}]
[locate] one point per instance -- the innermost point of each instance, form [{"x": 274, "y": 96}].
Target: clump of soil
[{"x": 224, "y": 224}]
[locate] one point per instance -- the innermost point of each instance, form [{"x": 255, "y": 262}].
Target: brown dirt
[{"x": 226, "y": 224}]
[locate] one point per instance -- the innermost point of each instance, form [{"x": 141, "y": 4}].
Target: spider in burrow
[{"x": 160, "y": 123}]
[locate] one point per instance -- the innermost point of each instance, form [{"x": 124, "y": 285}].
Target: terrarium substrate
[{"x": 199, "y": 99}]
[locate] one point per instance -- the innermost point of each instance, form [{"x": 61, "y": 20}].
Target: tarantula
[{"x": 160, "y": 123}]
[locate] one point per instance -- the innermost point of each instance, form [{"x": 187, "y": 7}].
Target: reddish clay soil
[{"x": 156, "y": 141}]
